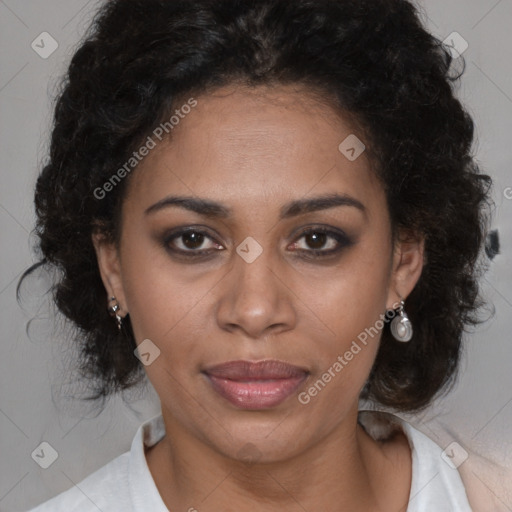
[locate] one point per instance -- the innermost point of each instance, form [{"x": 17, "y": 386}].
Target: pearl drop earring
[{"x": 401, "y": 326}]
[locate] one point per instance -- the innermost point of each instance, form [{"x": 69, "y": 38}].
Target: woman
[{"x": 271, "y": 210}]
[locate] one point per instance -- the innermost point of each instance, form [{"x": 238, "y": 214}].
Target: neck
[{"x": 340, "y": 472}]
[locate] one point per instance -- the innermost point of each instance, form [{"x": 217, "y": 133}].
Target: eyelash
[{"x": 342, "y": 240}]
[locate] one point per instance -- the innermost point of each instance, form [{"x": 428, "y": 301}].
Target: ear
[
  {"x": 107, "y": 254},
  {"x": 408, "y": 261}
]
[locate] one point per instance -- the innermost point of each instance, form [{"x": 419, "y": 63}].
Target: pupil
[
  {"x": 194, "y": 238},
  {"x": 318, "y": 240}
]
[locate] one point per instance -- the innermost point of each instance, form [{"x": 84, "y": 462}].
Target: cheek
[
  {"x": 154, "y": 300},
  {"x": 161, "y": 304},
  {"x": 167, "y": 305},
  {"x": 349, "y": 306},
  {"x": 345, "y": 351},
  {"x": 351, "y": 296}
]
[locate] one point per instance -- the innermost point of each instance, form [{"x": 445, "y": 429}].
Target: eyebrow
[{"x": 209, "y": 208}]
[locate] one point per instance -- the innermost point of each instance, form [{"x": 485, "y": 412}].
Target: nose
[{"x": 256, "y": 298}]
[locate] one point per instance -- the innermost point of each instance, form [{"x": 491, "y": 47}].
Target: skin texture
[{"x": 254, "y": 150}]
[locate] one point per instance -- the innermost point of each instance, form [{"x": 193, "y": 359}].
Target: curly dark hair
[{"x": 371, "y": 59}]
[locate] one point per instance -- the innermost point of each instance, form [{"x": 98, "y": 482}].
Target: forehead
[{"x": 243, "y": 146}]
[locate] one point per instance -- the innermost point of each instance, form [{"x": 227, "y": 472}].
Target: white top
[{"x": 126, "y": 485}]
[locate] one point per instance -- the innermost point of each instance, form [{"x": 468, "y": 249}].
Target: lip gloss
[{"x": 255, "y": 385}]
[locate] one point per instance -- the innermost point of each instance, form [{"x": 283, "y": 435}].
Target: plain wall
[{"x": 36, "y": 383}]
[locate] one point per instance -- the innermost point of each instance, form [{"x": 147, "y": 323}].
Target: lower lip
[{"x": 256, "y": 394}]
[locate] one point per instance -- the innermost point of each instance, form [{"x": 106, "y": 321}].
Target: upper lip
[{"x": 255, "y": 370}]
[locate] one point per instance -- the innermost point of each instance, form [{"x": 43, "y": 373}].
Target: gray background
[{"x": 37, "y": 383}]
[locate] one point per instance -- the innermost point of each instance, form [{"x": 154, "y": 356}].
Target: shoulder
[
  {"x": 106, "y": 489},
  {"x": 436, "y": 483},
  {"x": 125, "y": 483}
]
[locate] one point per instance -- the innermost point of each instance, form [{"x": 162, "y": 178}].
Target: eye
[
  {"x": 318, "y": 242},
  {"x": 192, "y": 241},
  {"x": 322, "y": 242}
]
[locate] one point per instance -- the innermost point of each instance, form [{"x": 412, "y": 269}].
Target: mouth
[{"x": 255, "y": 385}]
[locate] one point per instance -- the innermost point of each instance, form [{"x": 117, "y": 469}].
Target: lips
[{"x": 255, "y": 385}]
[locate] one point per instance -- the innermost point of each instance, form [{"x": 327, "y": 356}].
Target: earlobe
[
  {"x": 107, "y": 255},
  {"x": 408, "y": 262}
]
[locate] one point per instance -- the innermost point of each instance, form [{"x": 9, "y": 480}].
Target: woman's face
[{"x": 260, "y": 291}]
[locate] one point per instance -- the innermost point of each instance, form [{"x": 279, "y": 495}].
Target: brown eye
[
  {"x": 190, "y": 242},
  {"x": 321, "y": 242},
  {"x": 316, "y": 240},
  {"x": 192, "y": 239},
  {"x": 313, "y": 243}
]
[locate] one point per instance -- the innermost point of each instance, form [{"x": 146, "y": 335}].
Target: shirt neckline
[
  {"x": 144, "y": 492},
  {"x": 146, "y": 496}
]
